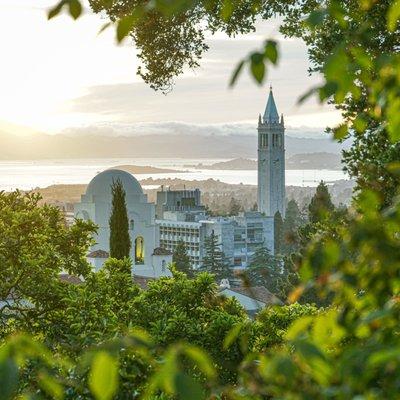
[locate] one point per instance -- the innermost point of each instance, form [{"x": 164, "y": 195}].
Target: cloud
[{"x": 183, "y": 128}]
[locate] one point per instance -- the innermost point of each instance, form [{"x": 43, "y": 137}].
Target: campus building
[
  {"x": 96, "y": 205},
  {"x": 156, "y": 229},
  {"x": 238, "y": 237}
]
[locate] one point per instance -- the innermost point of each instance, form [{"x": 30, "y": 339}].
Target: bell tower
[{"x": 271, "y": 160}]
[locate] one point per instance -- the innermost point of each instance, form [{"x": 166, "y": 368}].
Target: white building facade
[
  {"x": 238, "y": 237},
  {"x": 271, "y": 161},
  {"x": 96, "y": 205}
]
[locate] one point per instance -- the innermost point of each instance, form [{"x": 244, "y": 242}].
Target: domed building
[{"x": 96, "y": 205}]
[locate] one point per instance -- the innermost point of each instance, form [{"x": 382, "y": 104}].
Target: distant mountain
[
  {"x": 321, "y": 160},
  {"x": 147, "y": 169},
  {"x": 42, "y": 146},
  {"x": 235, "y": 164}
]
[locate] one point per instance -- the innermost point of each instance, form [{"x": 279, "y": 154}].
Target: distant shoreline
[
  {"x": 146, "y": 169},
  {"x": 320, "y": 160}
]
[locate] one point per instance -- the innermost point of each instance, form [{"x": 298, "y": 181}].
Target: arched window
[
  {"x": 131, "y": 224},
  {"x": 139, "y": 250},
  {"x": 163, "y": 264}
]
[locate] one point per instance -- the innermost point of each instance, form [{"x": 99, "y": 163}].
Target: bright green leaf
[
  {"x": 232, "y": 336},
  {"x": 299, "y": 327},
  {"x": 103, "y": 379},
  {"x": 340, "y": 132},
  {"x": 257, "y": 67},
  {"x": 271, "y": 51},
  {"x": 202, "y": 360},
  {"x": 393, "y": 15},
  {"x": 51, "y": 386}
]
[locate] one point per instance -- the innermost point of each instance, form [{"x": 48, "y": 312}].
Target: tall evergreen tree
[
  {"x": 120, "y": 242},
  {"x": 181, "y": 259},
  {"x": 321, "y": 205},
  {"x": 291, "y": 226},
  {"x": 214, "y": 259},
  {"x": 234, "y": 207},
  {"x": 268, "y": 271},
  {"x": 278, "y": 233}
]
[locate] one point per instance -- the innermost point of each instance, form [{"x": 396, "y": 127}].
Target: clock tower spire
[{"x": 271, "y": 160}]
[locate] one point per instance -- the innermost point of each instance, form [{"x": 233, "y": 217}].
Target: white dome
[{"x": 100, "y": 185}]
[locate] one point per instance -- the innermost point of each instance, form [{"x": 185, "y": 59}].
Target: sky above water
[{"x": 61, "y": 75}]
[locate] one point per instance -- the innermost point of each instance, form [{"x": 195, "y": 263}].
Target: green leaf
[
  {"x": 257, "y": 67},
  {"x": 236, "y": 73},
  {"x": 384, "y": 356},
  {"x": 393, "y": 16},
  {"x": 75, "y": 8},
  {"x": 340, "y": 132},
  {"x": 232, "y": 336},
  {"x": 306, "y": 95},
  {"x": 104, "y": 27},
  {"x": 186, "y": 388},
  {"x": 393, "y": 119},
  {"x": 51, "y": 386},
  {"x": 53, "y": 12},
  {"x": 316, "y": 17},
  {"x": 299, "y": 327},
  {"x": 394, "y": 167},
  {"x": 124, "y": 27},
  {"x": 8, "y": 379},
  {"x": 201, "y": 359},
  {"x": 103, "y": 379},
  {"x": 226, "y": 9},
  {"x": 271, "y": 51}
]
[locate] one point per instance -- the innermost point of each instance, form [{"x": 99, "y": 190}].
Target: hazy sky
[{"x": 60, "y": 74}]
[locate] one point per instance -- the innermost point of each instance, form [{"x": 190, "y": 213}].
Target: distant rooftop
[
  {"x": 258, "y": 293},
  {"x": 160, "y": 251},
  {"x": 98, "y": 254}
]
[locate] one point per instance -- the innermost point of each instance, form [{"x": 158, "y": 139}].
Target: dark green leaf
[
  {"x": 186, "y": 388},
  {"x": 53, "y": 12},
  {"x": 316, "y": 17},
  {"x": 271, "y": 51},
  {"x": 8, "y": 379},
  {"x": 75, "y": 8},
  {"x": 236, "y": 73}
]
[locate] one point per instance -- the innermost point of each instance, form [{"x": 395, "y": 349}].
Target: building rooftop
[
  {"x": 98, "y": 254},
  {"x": 100, "y": 185},
  {"x": 72, "y": 279},
  {"x": 142, "y": 281},
  {"x": 160, "y": 251},
  {"x": 258, "y": 293}
]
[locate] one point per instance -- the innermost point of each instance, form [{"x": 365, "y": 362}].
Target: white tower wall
[{"x": 271, "y": 161}]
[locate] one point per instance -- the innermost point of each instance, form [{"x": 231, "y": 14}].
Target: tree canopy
[{"x": 349, "y": 350}]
